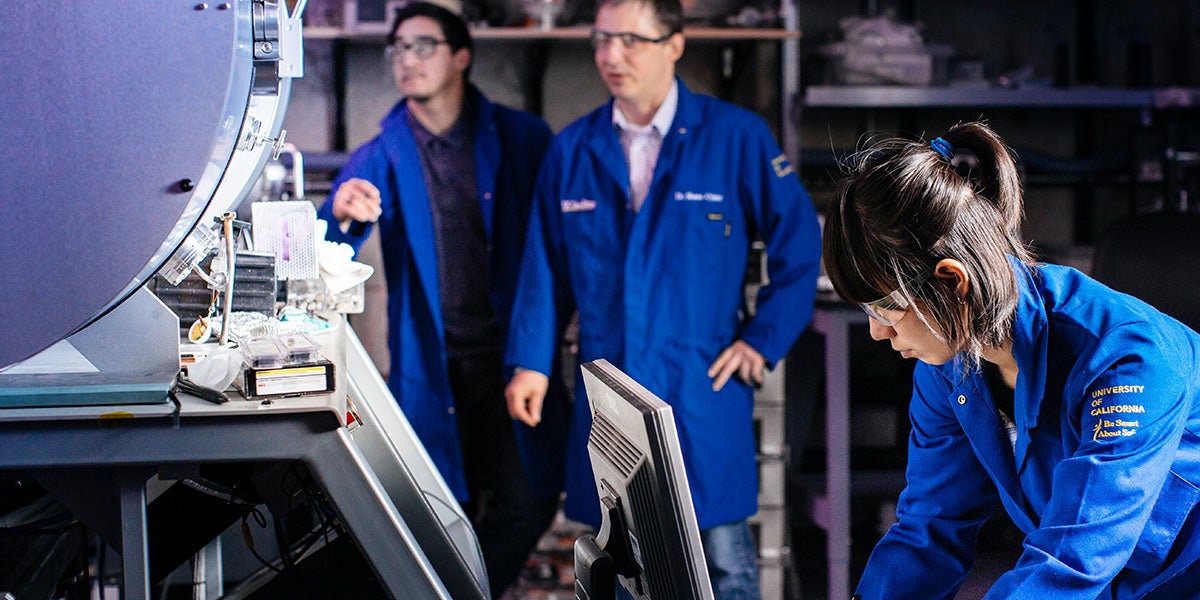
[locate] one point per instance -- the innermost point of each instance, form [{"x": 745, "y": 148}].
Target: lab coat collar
[
  {"x": 487, "y": 154},
  {"x": 686, "y": 116},
  {"x": 1030, "y": 347},
  {"x": 604, "y": 142},
  {"x": 662, "y": 118},
  {"x": 473, "y": 99},
  {"x": 412, "y": 203},
  {"x": 484, "y": 136}
]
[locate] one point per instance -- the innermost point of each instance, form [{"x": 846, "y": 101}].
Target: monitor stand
[{"x": 600, "y": 558}]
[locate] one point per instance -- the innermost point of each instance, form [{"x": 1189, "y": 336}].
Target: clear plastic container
[
  {"x": 299, "y": 347},
  {"x": 263, "y": 352}
]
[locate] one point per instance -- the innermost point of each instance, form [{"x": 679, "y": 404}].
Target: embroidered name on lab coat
[
  {"x": 699, "y": 197},
  {"x": 578, "y": 205},
  {"x": 1116, "y": 416}
]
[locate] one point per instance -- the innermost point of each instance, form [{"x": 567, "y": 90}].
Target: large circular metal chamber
[{"x": 122, "y": 126}]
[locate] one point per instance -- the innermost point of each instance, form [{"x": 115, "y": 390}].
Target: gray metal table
[{"x": 123, "y": 444}]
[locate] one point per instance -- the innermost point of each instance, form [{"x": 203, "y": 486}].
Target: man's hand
[
  {"x": 356, "y": 200},
  {"x": 525, "y": 393},
  {"x": 738, "y": 358}
]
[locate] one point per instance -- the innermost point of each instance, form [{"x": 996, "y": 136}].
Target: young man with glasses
[
  {"x": 643, "y": 220},
  {"x": 449, "y": 182}
]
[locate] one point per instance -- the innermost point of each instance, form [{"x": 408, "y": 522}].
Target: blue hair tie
[{"x": 943, "y": 148}]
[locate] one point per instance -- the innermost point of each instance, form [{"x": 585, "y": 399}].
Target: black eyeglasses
[
  {"x": 422, "y": 47},
  {"x": 629, "y": 40}
]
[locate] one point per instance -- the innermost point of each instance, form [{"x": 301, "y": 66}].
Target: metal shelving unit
[
  {"x": 1084, "y": 171},
  {"x": 787, "y": 36},
  {"x": 575, "y": 32},
  {"x": 948, "y": 97}
]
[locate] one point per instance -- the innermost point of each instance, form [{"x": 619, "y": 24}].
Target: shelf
[
  {"x": 934, "y": 97},
  {"x": 579, "y": 33}
]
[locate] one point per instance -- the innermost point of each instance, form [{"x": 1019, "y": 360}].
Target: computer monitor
[{"x": 648, "y": 541}]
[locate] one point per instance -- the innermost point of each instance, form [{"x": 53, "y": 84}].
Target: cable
[
  {"x": 213, "y": 284},
  {"x": 199, "y": 391},
  {"x": 227, "y": 221},
  {"x": 100, "y": 547},
  {"x": 171, "y": 393},
  {"x": 220, "y": 492},
  {"x": 248, "y": 537},
  {"x": 301, "y": 491},
  {"x": 281, "y": 543}
]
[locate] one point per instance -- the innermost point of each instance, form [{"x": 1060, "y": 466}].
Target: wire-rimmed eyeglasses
[
  {"x": 629, "y": 40},
  {"x": 422, "y": 47}
]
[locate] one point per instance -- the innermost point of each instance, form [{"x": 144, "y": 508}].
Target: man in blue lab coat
[
  {"x": 449, "y": 181},
  {"x": 643, "y": 220}
]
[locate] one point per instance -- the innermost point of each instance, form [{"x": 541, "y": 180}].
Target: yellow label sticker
[{"x": 118, "y": 414}]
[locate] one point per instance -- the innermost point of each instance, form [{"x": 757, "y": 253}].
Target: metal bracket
[{"x": 278, "y": 36}]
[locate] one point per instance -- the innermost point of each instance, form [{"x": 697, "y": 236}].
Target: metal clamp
[{"x": 278, "y": 36}]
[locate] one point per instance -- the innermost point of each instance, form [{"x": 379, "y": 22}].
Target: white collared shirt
[{"x": 643, "y": 142}]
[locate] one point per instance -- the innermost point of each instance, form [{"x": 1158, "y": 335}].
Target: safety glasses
[
  {"x": 889, "y": 309},
  {"x": 629, "y": 41}
]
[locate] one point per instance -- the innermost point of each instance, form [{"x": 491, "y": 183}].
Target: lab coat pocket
[
  {"x": 595, "y": 248},
  {"x": 693, "y": 258},
  {"x": 1175, "y": 502},
  {"x": 724, "y": 229}
]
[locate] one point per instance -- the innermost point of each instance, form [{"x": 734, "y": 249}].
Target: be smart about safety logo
[{"x": 1116, "y": 411}]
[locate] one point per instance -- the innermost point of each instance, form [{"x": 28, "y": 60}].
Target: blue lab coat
[
  {"x": 509, "y": 146},
  {"x": 1104, "y": 474},
  {"x": 660, "y": 292}
]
